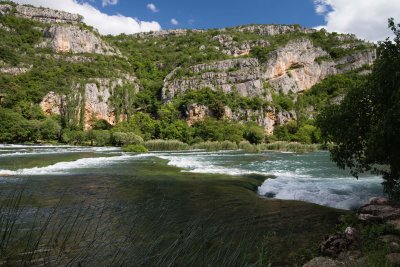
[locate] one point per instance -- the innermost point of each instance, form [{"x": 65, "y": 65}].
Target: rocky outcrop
[
  {"x": 237, "y": 75},
  {"x": 267, "y": 118},
  {"x": 356, "y": 60},
  {"x": 47, "y": 15},
  {"x": 380, "y": 210},
  {"x": 236, "y": 49},
  {"x": 75, "y": 39},
  {"x": 165, "y": 33},
  {"x": 5, "y": 9},
  {"x": 196, "y": 113},
  {"x": 293, "y": 68},
  {"x": 270, "y": 30},
  {"x": 15, "y": 70},
  {"x": 94, "y": 101}
]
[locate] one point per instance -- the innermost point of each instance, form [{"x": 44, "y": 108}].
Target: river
[{"x": 185, "y": 207}]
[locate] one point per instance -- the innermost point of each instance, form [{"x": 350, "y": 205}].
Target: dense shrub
[
  {"x": 124, "y": 139},
  {"x": 135, "y": 148}
]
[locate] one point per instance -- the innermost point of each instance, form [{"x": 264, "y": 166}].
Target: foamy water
[{"x": 308, "y": 177}]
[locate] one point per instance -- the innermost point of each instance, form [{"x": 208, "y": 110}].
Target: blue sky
[
  {"x": 365, "y": 18},
  {"x": 217, "y": 13}
]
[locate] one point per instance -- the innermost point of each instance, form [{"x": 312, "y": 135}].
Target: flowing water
[
  {"x": 310, "y": 177},
  {"x": 190, "y": 206}
]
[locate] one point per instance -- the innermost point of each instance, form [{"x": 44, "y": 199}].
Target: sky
[{"x": 365, "y": 18}]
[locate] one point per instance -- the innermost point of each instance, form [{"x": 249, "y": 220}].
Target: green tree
[
  {"x": 254, "y": 133},
  {"x": 365, "y": 127}
]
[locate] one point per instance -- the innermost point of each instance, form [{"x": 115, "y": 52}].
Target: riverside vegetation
[
  {"x": 137, "y": 107},
  {"x": 214, "y": 90}
]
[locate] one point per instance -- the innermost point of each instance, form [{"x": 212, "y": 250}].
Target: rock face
[
  {"x": 237, "y": 75},
  {"x": 47, "y": 15},
  {"x": 164, "y": 33},
  {"x": 293, "y": 68},
  {"x": 69, "y": 38},
  {"x": 270, "y": 30},
  {"x": 94, "y": 101},
  {"x": 15, "y": 70},
  {"x": 265, "y": 118},
  {"x": 4, "y": 9},
  {"x": 236, "y": 49}
]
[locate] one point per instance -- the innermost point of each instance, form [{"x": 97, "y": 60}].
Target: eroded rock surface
[
  {"x": 237, "y": 75},
  {"x": 47, "y": 15},
  {"x": 69, "y": 38},
  {"x": 94, "y": 101}
]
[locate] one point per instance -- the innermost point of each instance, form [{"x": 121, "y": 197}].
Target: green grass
[{"x": 166, "y": 145}]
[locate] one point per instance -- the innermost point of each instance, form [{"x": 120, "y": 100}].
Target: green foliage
[
  {"x": 74, "y": 137},
  {"x": 101, "y": 125},
  {"x": 365, "y": 127},
  {"x": 99, "y": 137},
  {"x": 124, "y": 139},
  {"x": 215, "y": 146},
  {"x": 166, "y": 145},
  {"x": 214, "y": 130},
  {"x": 290, "y": 147},
  {"x": 135, "y": 148},
  {"x": 282, "y": 101},
  {"x": 216, "y": 100},
  {"x": 249, "y": 148},
  {"x": 50, "y": 129},
  {"x": 254, "y": 133}
]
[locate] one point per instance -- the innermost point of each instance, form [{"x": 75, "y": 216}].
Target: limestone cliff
[
  {"x": 75, "y": 39},
  {"x": 292, "y": 68},
  {"x": 236, "y": 75},
  {"x": 270, "y": 30},
  {"x": 47, "y": 15},
  {"x": 89, "y": 101}
]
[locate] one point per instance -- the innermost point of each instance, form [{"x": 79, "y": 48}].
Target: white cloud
[
  {"x": 365, "y": 18},
  {"x": 108, "y": 2},
  {"x": 106, "y": 24},
  {"x": 152, "y": 7},
  {"x": 174, "y": 22}
]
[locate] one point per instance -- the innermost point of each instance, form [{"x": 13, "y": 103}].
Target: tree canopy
[{"x": 365, "y": 126}]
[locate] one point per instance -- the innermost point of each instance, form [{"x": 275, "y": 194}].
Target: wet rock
[{"x": 323, "y": 262}]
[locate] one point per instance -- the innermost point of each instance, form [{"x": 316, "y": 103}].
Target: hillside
[{"x": 59, "y": 77}]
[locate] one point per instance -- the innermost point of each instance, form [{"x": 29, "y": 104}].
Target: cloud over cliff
[
  {"x": 106, "y": 24},
  {"x": 365, "y": 18}
]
